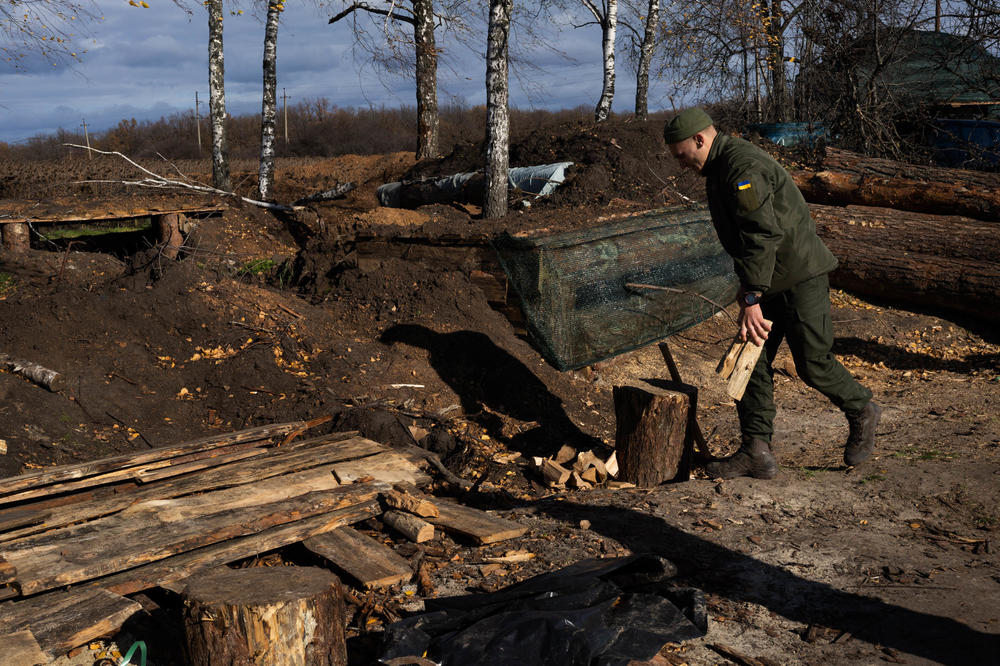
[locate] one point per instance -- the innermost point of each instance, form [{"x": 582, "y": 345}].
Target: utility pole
[
  {"x": 86, "y": 136},
  {"x": 284, "y": 106},
  {"x": 197, "y": 121}
]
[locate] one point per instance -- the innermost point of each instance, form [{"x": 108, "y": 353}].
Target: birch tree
[
  {"x": 641, "y": 50},
  {"x": 606, "y": 16},
  {"x": 217, "y": 97},
  {"x": 269, "y": 101},
  {"x": 420, "y": 16},
  {"x": 497, "y": 111}
]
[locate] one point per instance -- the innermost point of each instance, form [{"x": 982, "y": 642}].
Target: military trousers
[{"x": 800, "y": 315}]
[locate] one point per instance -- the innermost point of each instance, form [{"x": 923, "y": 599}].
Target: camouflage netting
[{"x": 573, "y": 284}]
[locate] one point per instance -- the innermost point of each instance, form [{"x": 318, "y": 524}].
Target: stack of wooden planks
[{"x": 116, "y": 526}]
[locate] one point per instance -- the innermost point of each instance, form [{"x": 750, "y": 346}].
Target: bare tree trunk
[
  {"x": 609, "y": 25},
  {"x": 217, "y": 98},
  {"x": 269, "y": 103},
  {"x": 645, "y": 56},
  {"x": 426, "y": 75},
  {"x": 497, "y": 115}
]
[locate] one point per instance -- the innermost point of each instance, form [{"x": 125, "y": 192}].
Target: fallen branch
[
  {"x": 40, "y": 375},
  {"x": 157, "y": 181}
]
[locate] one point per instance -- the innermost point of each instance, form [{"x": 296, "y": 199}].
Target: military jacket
[{"x": 761, "y": 218}]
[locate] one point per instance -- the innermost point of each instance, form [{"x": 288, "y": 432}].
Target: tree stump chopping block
[
  {"x": 654, "y": 431},
  {"x": 273, "y": 616}
]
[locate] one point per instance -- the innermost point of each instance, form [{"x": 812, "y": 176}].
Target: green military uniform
[{"x": 763, "y": 222}]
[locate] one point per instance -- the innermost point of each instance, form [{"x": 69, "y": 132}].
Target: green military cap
[{"x": 686, "y": 124}]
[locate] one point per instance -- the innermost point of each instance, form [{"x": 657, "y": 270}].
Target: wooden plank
[
  {"x": 157, "y": 529},
  {"x": 147, "y": 475},
  {"x": 19, "y": 648},
  {"x": 81, "y": 470},
  {"x": 205, "y": 458},
  {"x": 478, "y": 525},
  {"x": 387, "y": 466},
  {"x": 61, "y": 621},
  {"x": 277, "y": 461},
  {"x": 172, "y": 572},
  {"x": 20, "y": 517},
  {"x": 101, "y": 215},
  {"x": 370, "y": 563}
]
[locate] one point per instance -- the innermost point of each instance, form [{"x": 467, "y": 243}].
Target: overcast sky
[{"x": 148, "y": 63}]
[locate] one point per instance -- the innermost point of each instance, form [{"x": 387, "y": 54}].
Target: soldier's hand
[{"x": 753, "y": 326}]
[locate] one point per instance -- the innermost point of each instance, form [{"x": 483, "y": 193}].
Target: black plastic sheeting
[{"x": 600, "y": 612}]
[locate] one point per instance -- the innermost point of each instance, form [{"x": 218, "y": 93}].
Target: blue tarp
[{"x": 791, "y": 134}]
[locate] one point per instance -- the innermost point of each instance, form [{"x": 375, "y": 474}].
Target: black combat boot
[
  {"x": 861, "y": 439},
  {"x": 754, "y": 458}
]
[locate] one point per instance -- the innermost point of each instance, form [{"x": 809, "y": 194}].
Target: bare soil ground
[{"x": 270, "y": 318}]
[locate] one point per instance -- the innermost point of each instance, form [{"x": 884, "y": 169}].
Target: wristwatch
[{"x": 751, "y": 298}]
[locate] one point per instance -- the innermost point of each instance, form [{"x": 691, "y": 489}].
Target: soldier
[{"x": 763, "y": 223}]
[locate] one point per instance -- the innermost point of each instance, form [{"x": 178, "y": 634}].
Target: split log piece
[
  {"x": 653, "y": 432},
  {"x": 737, "y": 365},
  {"x": 554, "y": 473},
  {"x": 49, "y": 379},
  {"x": 565, "y": 454},
  {"x": 265, "y": 615},
  {"x": 586, "y": 461},
  {"x": 611, "y": 464},
  {"x": 371, "y": 563},
  {"x": 410, "y": 526},
  {"x": 417, "y": 504}
]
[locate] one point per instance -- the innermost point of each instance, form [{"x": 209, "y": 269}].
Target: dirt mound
[{"x": 617, "y": 159}]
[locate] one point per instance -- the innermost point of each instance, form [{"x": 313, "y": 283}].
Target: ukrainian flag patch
[{"x": 743, "y": 185}]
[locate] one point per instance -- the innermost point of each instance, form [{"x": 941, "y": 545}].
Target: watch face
[{"x": 751, "y": 298}]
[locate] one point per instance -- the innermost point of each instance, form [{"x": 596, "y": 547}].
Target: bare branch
[{"x": 154, "y": 180}]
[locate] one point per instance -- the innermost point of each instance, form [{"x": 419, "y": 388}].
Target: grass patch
[
  {"x": 255, "y": 267},
  {"x": 872, "y": 478},
  {"x": 69, "y": 232}
]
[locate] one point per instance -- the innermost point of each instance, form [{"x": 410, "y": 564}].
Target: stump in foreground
[
  {"x": 653, "y": 431},
  {"x": 266, "y": 615}
]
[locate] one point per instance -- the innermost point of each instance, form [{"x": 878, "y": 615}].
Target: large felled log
[
  {"x": 848, "y": 178},
  {"x": 266, "y": 615},
  {"x": 926, "y": 260},
  {"x": 653, "y": 432}
]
